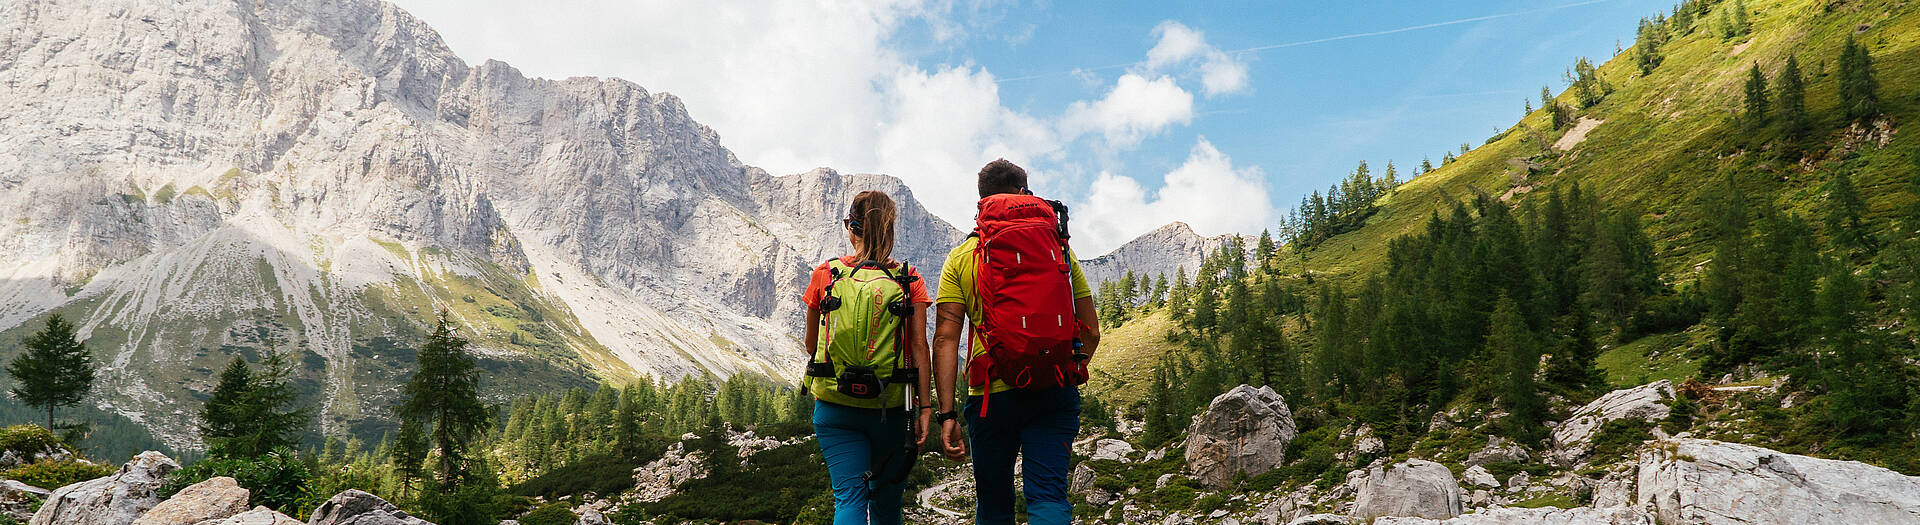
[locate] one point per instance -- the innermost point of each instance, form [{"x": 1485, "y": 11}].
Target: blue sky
[{"x": 1204, "y": 131}]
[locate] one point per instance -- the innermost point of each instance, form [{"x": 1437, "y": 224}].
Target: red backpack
[{"x": 1025, "y": 289}]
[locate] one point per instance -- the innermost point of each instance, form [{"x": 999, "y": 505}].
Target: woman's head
[{"x": 870, "y": 226}]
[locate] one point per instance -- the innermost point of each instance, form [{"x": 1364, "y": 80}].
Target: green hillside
[{"x": 1382, "y": 303}]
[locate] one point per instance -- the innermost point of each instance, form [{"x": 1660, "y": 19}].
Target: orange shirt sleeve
[
  {"x": 817, "y": 286},
  {"x": 919, "y": 287}
]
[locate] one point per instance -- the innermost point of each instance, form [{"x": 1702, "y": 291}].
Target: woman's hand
[
  {"x": 952, "y": 443},
  {"x": 920, "y": 430}
]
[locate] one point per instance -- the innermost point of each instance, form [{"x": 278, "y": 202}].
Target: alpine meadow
[{"x": 297, "y": 261}]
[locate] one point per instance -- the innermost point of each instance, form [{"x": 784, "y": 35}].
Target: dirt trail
[{"x": 1578, "y": 134}]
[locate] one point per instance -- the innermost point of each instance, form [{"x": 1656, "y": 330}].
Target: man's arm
[
  {"x": 1089, "y": 325},
  {"x": 946, "y": 352}
]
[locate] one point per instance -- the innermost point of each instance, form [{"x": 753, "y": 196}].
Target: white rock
[
  {"x": 1572, "y": 439},
  {"x": 1498, "y": 450},
  {"x": 1081, "y": 479},
  {"x": 1713, "y": 482},
  {"x": 1479, "y": 477},
  {"x": 18, "y": 500},
  {"x": 1322, "y": 519},
  {"x": 1539, "y": 516},
  {"x": 259, "y": 516},
  {"x": 656, "y": 480},
  {"x": 1518, "y": 481},
  {"x": 1415, "y": 487},
  {"x": 215, "y": 499},
  {"x": 113, "y": 500},
  {"x": 591, "y": 517},
  {"x": 1111, "y": 449},
  {"x": 1244, "y": 432}
]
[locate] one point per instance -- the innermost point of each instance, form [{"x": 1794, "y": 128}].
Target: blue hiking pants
[
  {"x": 1036, "y": 425},
  {"x": 856, "y": 440}
]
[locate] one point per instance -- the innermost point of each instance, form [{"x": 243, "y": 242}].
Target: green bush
[
  {"x": 27, "y": 440},
  {"x": 776, "y": 486},
  {"x": 52, "y": 474},
  {"x": 476, "y": 503},
  {"x": 277, "y": 479},
  {"x": 1619, "y": 438},
  {"x": 556, "y": 513},
  {"x": 600, "y": 474}
]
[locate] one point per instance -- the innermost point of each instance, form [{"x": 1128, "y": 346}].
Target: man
[{"x": 1003, "y": 422}]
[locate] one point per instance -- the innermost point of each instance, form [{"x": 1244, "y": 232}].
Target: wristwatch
[{"x": 942, "y": 417}]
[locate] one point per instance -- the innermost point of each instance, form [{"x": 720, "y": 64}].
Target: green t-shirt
[{"x": 957, "y": 286}]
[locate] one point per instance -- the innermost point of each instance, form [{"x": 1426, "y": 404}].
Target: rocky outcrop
[
  {"x": 1498, "y": 450},
  {"x": 1539, "y": 516},
  {"x": 1321, "y": 519},
  {"x": 1414, "y": 487},
  {"x": 355, "y": 507},
  {"x": 216, "y": 498},
  {"x": 1479, "y": 477},
  {"x": 257, "y": 516},
  {"x": 1081, "y": 479},
  {"x": 1243, "y": 432},
  {"x": 17, "y": 500},
  {"x": 113, "y": 500},
  {"x": 656, "y": 480},
  {"x": 591, "y": 517},
  {"x": 1572, "y": 439},
  {"x": 1712, "y": 482},
  {"x": 1166, "y": 251}
]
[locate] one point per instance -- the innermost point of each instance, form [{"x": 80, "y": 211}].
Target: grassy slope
[{"x": 1667, "y": 138}]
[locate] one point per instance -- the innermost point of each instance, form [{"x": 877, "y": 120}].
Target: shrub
[
  {"x": 600, "y": 474},
  {"x": 52, "y": 474},
  {"x": 556, "y": 513},
  {"x": 277, "y": 479},
  {"x": 27, "y": 440},
  {"x": 1619, "y": 437}
]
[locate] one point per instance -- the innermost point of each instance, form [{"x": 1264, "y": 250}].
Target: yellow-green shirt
[{"x": 957, "y": 286}]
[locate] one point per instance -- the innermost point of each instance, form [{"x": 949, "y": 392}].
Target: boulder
[
  {"x": 1415, "y": 487},
  {"x": 1572, "y": 439},
  {"x": 257, "y": 516},
  {"x": 1321, "y": 519},
  {"x": 215, "y": 499},
  {"x": 17, "y": 500},
  {"x": 113, "y": 500},
  {"x": 1478, "y": 476},
  {"x": 1712, "y": 482},
  {"x": 1539, "y": 516},
  {"x": 1081, "y": 479},
  {"x": 1499, "y": 450},
  {"x": 1111, "y": 449},
  {"x": 1439, "y": 423},
  {"x": 1518, "y": 481},
  {"x": 355, "y": 507},
  {"x": 591, "y": 517},
  {"x": 1243, "y": 432}
]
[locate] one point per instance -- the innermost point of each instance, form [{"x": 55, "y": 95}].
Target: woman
[{"x": 866, "y": 343}]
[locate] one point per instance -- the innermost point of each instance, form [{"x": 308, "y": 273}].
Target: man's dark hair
[{"x": 1002, "y": 176}]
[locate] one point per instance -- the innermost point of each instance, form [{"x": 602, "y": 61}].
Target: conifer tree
[
  {"x": 1158, "y": 297},
  {"x": 1845, "y": 211},
  {"x": 1265, "y": 249},
  {"x": 1646, "y": 47},
  {"x": 409, "y": 454},
  {"x": 1587, "y": 85},
  {"x": 254, "y": 413},
  {"x": 55, "y": 371},
  {"x": 1206, "y": 302},
  {"x": 1859, "y": 90},
  {"x": 1792, "y": 101},
  {"x": 1159, "y": 409},
  {"x": 1868, "y": 392},
  {"x": 217, "y": 417},
  {"x": 443, "y": 399},
  {"x": 1512, "y": 345},
  {"x": 1756, "y": 97},
  {"x": 1426, "y": 165},
  {"x": 1546, "y": 97}
]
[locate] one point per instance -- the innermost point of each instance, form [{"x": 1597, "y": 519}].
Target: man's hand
[{"x": 952, "y": 443}]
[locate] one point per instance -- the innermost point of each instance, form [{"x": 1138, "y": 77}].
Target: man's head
[{"x": 1002, "y": 176}]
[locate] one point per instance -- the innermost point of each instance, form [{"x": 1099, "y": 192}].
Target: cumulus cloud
[
  {"x": 1136, "y": 108},
  {"x": 1207, "y": 192},
  {"x": 1220, "y": 73}
]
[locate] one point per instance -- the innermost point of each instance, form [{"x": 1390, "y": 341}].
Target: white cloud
[
  {"x": 1220, "y": 72},
  {"x": 1136, "y": 108},
  {"x": 1207, "y": 192}
]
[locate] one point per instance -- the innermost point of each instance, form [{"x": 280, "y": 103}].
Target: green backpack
[{"x": 858, "y": 361}]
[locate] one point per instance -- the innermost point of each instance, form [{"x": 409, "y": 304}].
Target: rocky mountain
[
  {"x": 1165, "y": 250},
  {"x": 203, "y": 179}
]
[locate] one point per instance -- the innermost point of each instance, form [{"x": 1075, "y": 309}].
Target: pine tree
[
  {"x": 1206, "y": 302},
  {"x": 1587, "y": 85},
  {"x": 1845, "y": 211},
  {"x": 55, "y": 371},
  {"x": 1265, "y": 249},
  {"x": 1546, "y": 97},
  {"x": 1792, "y": 101},
  {"x": 1426, "y": 165},
  {"x": 252, "y": 413},
  {"x": 1512, "y": 346},
  {"x": 409, "y": 454},
  {"x": 1756, "y": 97},
  {"x": 1859, "y": 97},
  {"x": 1646, "y": 47},
  {"x": 1869, "y": 394},
  {"x": 1159, "y": 408},
  {"x": 1741, "y": 26},
  {"x": 1158, "y": 297},
  {"x": 1178, "y": 297},
  {"x": 443, "y": 398}
]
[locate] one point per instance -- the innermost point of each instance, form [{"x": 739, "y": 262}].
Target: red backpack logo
[{"x": 1025, "y": 288}]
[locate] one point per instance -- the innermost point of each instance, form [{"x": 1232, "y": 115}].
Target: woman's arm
[
  {"x": 922, "y": 356},
  {"x": 813, "y": 332}
]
